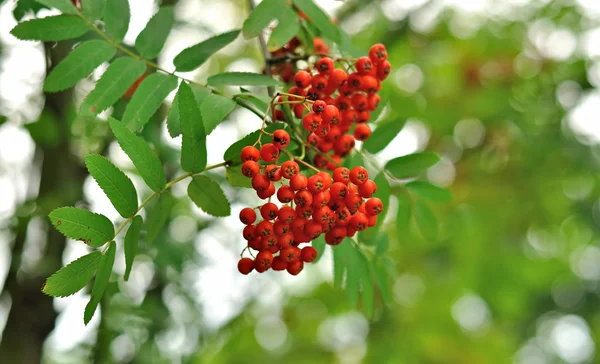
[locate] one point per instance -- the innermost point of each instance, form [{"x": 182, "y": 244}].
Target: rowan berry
[
  {"x": 353, "y": 201},
  {"x": 273, "y": 172},
  {"x": 320, "y": 161},
  {"x": 362, "y": 132},
  {"x": 321, "y": 199},
  {"x": 319, "y": 106},
  {"x": 250, "y": 168},
  {"x": 270, "y": 191},
  {"x": 285, "y": 240},
  {"x": 313, "y": 229},
  {"x": 311, "y": 121},
  {"x": 298, "y": 182},
  {"x": 263, "y": 261},
  {"x": 315, "y": 183},
  {"x": 373, "y": 101},
  {"x": 367, "y": 189},
  {"x": 373, "y": 206},
  {"x": 285, "y": 194},
  {"x": 313, "y": 139},
  {"x": 308, "y": 254},
  {"x": 269, "y": 152},
  {"x": 325, "y": 66},
  {"x": 250, "y": 153},
  {"x": 319, "y": 46},
  {"x": 372, "y": 220},
  {"x": 256, "y": 244},
  {"x": 338, "y": 77},
  {"x": 364, "y": 66},
  {"x": 303, "y": 198},
  {"x": 339, "y": 190},
  {"x": 369, "y": 84},
  {"x": 378, "y": 53},
  {"x": 359, "y": 102},
  {"x": 359, "y": 175},
  {"x": 290, "y": 254},
  {"x": 343, "y": 216},
  {"x": 341, "y": 174},
  {"x": 299, "y": 111},
  {"x": 268, "y": 211},
  {"x": 268, "y": 242},
  {"x": 319, "y": 82},
  {"x": 249, "y": 232},
  {"x": 354, "y": 81},
  {"x": 336, "y": 235},
  {"x": 383, "y": 70},
  {"x": 289, "y": 169},
  {"x": 281, "y": 138},
  {"x": 294, "y": 268},
  {"x": 343, "y": 103},
  {"x": 359, "y": 222},
  {"x": 260, "y": 182},
  {"x": 245, "y": 265},
  {"x": 278, "y": 264},
  {"x": 323, "y": 215},
  {"x": 313, "y": 94},
  {"x": 302, "y": 79},
  {"x": 323, "y": 130},
  {"x": 304, "y": 211},
  {"x": 264, "y": 228},
  {"x": 278, "y": 115},
  {"x": 331, "y": 114},
  {"x": 247, "y": 216},
  {"x": 280, "y": 227}
]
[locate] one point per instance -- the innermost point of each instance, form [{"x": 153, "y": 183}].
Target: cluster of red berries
[
  {"x": 341, "y": 103},
  {"x": 311, "y": 206}
]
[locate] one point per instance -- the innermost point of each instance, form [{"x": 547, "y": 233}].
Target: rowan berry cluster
[{"x": 331, "y": 102}]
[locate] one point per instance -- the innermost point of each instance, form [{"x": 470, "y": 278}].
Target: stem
[
  {"x": 167, "y": 186},
  {"x": 264, "y": 50}
]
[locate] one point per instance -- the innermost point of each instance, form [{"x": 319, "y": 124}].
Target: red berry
[
  {"x": 279, "y": 264},
  {"x": 260, "y": 182},
  {"x": 285, "y": 240},
  {"x": 373, "y": 206},
  {"x": 354, "y": 81},
  {"x": 315, "y": 183},
  {"x": 339, "y": 190},
  {"x": 343, "y": 102},
  {"x": 364, "y": 66},
  {"x": 319, "y": 82},
  {"x": 269, "y": 152},
  {"x": 303, "y": 198},
  {"x": 247, "y": 216},
  {"x": 264, "y": 228},
  {"x": 294, "y": 268},
  {"x": 362, "y": 132},
  {"x": 264, "y": 259},
  {"x": 359, "y": 222},
  {"x": 250, "y": 153},
  {"x": 250, "y": 168},
  {"x": 290, "y": 254},
  {"x": 353, "y": 201},
  {"x": 246, "y": 265},
  {"x": 363, "y": 117},
  {"x": 331, "y": 115},
  {"x": 325, "y": 66},
  {"x": 289, "y": 169},
  {"x": 280, "y": 227},
  {"x": 319, "y": 106},
  {"x": 369, "y": 84},
  {"x": 338, "y": 77},
  {"x": 273, "y": 172},
  {"x": 311, "y": 121},
  {"x": 285, "y": 194},
  {"x": 341, "y": 174},
  {"x": 286, "y": 214},
  {"x": 268, "y": 211},
  {"x": 281, "y": 138},
  {"x": 313, "y": 229},
  {"x": 298, "y": 182},
  {"x": 359, "y": 102},
  {"x": 270, "y": 191},
  {"x": 308, "y": 254},
  {"x": 249, "y": 232},
  {"x": 359, "y": 175},
  {"x": 302, "y": 79},
  {"x": 384, "y": 70},
  {"x": 367, "y": 189},
  {"x": 299, "y": 111},
  {"x": 319, "y": 46},
  {"x": 336, "y": 235},
  {"x": 343, "y": 216},
  {"x": 373, "y": 101},
  {"x": 321, "y": 199},
  {"x": 378, "y": 53}
]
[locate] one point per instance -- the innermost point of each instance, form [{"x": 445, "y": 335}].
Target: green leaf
[
  {"x": 383, "y": 244},
  {"x": 147, "y": 99},
  {"x": 214, "y": 109},
  {"x": 353, "y": 274},
  {"x": 426, "y": 220},
  {"x": 65, "y": 6},
  {"x": 208, "y": 195},
  {"x": 261, "y": 16},
  {"x": 93, "y": 9},
  {"x": 132, "y": 238},
  {"x": 73, "y": 277},
  {"x": 287, "y": 27},
  {"x": 404, "y": 212},
  {"x": 241, "y": 79},
  {"x": 152, "y": 39},
  {"x": 319, "y": 19},
  {"x": 78, "y": 64},
  {"x": 51, "y": 28},
  {"x": 236, "y": 178},
  {"x": 115, "y": 184},
  {"x": 102, "y": 277},
  {"x": 339, "y": 264},
  {"x": 193, "y": 57},
  {"x": 173, "y": 122},
  {"x": 429, "y": 191},
  {"x": 412, "y": 164},
  {"x": 383, "y": 135},
  {"x": 93, "y": 229},
  {"x": 142, "y": 156},
  {"x": 193, "y": 144},
  {"x": 381, "y": 277},
  {"x": 158, "y": 216},
  {"x": 116, "y": 18},
  {"x": 233, "y": 152},
  {"x": 366, "y": 283},
  {"x": 119, "y": 76},
  {"x": 319, "y": 245}
]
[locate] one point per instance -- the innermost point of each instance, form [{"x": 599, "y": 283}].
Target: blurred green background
[{"x": 508, "y": 272}]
